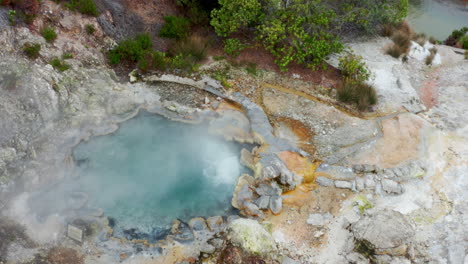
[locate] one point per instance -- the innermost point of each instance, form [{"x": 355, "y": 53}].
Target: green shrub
[
  {"x": 466, "y": 55},
  {"x": 360, "y": 94},
  {"x": 130, "y": 50},
  {"x": 59, "y": 65},
  {"x": 433, "y": 40},
  {"x": 86, "y": 7},
  {"x": 32, "y": 50},
  {"x": 464, "y": 42},
  {"x": 251, "y": 68},
  {"x": 152, "y": 60},
  {"x": 181, "y": 62},
  {"x": 12, "y": 17},
  {"x": 90, "y": 29},
  {"x": 235, "y": 15},
  {"x": 49, "y": 34},
  {"x": 354, "y": 68},
  {"x": 233, "y": 47},
  {"x": 175, "y": 27}
]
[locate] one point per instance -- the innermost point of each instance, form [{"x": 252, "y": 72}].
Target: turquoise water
[
  {"x": 438, "y": 18},
  {"x": 153, "y": 170}
]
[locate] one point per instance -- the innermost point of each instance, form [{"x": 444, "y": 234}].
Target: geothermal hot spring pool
[{"x": 152, "y": 171}]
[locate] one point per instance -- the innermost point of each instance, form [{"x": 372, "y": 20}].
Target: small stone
[
  {"x": 215, "y": 223},
  {"x": 359, "y": 183},
  {"x": 318, "y": 234},
  {"x": 276, "y": 204},
  {"x": 317, "y": 219},
  {"x": 198, "y": 224},
  {"x": 262, "y": 202},
  {"x": 207, "y": 248},
  {"x": 323, "y": 181},
  {"x": 369, "y": 182},
  {"x": 207, "y": 100},
  {"x": 250, "y": 209},
  {"x": 343, "y": 185},
  {"x": 391, "y": 186}
]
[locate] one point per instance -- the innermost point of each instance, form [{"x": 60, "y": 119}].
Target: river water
[{"x": 438, "y": 18}]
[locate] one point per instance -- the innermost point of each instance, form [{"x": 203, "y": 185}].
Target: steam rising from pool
[{"x": 153, "y": 170}]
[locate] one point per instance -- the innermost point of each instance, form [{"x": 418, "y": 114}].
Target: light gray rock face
[
  {"x": 276, "y": 204},
  {"x": 337, "y": 172},
  {"x": 384, "y": 229},
  {"x": 318, "y": 219},
  {"x": 391, "y": 187},
  {"x": 343, "y": 185},
  {"x": 324, "y": 181}
]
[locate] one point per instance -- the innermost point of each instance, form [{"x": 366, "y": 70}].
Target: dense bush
[
  {"x": 32, "y": 50},
  {"x": 466, "y": 55},
  {"x": 303, "y": 31},
  {"x": 233, "y": 47},
  {"x": 464, "y": 42},
  {"x": 175, "y": 27},
  {"x": 130, "y": 50},
  {"x": 49, "y": 34},
  {"x": 153, "y": 60},
  {"x": 59, "y": 65},
  {"x": 87, "y": 7},
  {"x": 197, "y": 13},
  {"x": 354, "y": 68}
]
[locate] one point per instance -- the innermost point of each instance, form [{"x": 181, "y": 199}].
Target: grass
[
  {"x": 59, "y": 65},
  {"x": 86, "y": 7},
  {"x": 194, "y": 47},
  {"x": 48, "y": 33},
  {"x": 431, "y": 56},
  {"x": 394, "y": 51},
  {"x": 66, "y": 56},
  {"x": 358, "y": 93},
  {"x": 402, "y": 40},
  {"x": 32, "y": 50},
  {"x": 90, "y": 29}
]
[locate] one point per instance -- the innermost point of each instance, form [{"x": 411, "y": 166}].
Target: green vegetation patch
[
  {"x": 48, "y": 33},
  {"x": 59, "y": 64},
  {"x": 32, "y": 50},
  {"x": 130, "y": 50},
  {"x": 175, "y": 27},
  {"x": 90, "y": 29},
  {"x": 86, "y": 7}
]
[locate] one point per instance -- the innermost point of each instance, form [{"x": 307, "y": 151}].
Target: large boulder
[
  {"x": 252, "y": 237},
  {"x": 388, "y": 231}
]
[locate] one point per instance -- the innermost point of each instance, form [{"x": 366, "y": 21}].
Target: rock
[
  {"x": 369, "y": 182},
  {"x": 391, "y": 187},
  {"x": 207, "y": 248},
  {"x": 262, "y": 202},
  {"x": 215, "y": 223},
  {"x": 276, "y": 204},
  {"x": 357, "y": 258},
  {"x": 7, "y": 154},
  {"x": 198, "y": 224},
  {"x": 318, "y": 219},
  {"x": 384, "y": 229},
  {"x": 180, "y": 231},
  {"x": 365, "y": 168},
  {"x": 242, "y": 192},
  {"x": 360, "y": 184},
  {"x": 250, "y": 209},
  {"x": 337, "y": 172},
  {"x": 252, "y": 237},
  {"x": 324, "y": 181},
  {"x": 343, "y": 185},
  {"x": 269, "y": 189},
  {"x": 247, "y": 159},
  {"x": 231, "y": 218},
  {"x": 288, "y": 260}
]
